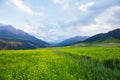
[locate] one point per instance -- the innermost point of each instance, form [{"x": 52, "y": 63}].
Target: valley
[{"x": 59, "y": 39}]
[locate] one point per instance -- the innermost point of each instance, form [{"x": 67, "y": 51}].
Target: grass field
[{"x": 67, "y": 63}]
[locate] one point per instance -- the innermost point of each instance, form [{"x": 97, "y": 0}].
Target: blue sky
[{"x": 56, "y": 20}]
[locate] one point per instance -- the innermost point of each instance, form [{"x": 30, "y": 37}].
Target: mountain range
[
  {"x": 110, "y": 38},
  {"x": 72, "y": 40},
  {"x": 11, "y": 38}
]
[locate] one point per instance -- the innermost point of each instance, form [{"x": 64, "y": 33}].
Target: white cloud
[
  {"x": 24, "y": 8},
  {"x": 56, "y": 1},
  {"x": 80, "y": 22},
  {"x": 100, "y": 24},
  {"x": 108, "y": 15},
  {"x": 41, "y": 31},
  {"x": 104, "y": 22},
  {"x": 84, "y": 7},
  {"x": 64, "y": 3}
]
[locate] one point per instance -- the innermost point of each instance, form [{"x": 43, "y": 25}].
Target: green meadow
[{"x": 61, "y": 63}]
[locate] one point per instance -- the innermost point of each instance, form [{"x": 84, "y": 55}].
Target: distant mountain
[
  {"x": 11, "y": 38},
  {"x": 103, "y": 36},
  {"x": 53, "y": 43},
  {"x": 72, "y": 40}
]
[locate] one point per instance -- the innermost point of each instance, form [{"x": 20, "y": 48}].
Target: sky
[{"x": 56, "y": 20}]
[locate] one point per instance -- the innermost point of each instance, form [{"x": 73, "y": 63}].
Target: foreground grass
[{"x": 101, "y": 63}]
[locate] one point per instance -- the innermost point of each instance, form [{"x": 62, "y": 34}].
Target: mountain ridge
[
  {"x": 9, "y": 33},
  {"x": 111, "y": 38},
  {"x": 113, "y": 33},
  {"x": 71, "y": 40}
]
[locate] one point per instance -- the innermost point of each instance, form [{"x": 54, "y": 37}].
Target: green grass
[{"x": 67, "y": 63}]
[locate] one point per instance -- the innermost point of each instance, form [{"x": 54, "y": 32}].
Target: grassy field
[{"x": 67, "y": 63}]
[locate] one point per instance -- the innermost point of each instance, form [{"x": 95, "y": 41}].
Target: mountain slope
[
  {"x": 72, "y": 40},
  {"x": 9, "y": 34},
  {"x": 112, "y": 38},
  {"x": 103, "y": 36}
]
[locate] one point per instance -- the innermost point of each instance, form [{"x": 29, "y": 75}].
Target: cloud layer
[
  {"x": 19, "y": 4},
  {"x": 62, "y": 18}
]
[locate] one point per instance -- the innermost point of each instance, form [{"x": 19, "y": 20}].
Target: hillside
[
  {"x": 9, "y": 34},
  {"x": 103, "y": 36},
  {"x": 112, "y": 38}
]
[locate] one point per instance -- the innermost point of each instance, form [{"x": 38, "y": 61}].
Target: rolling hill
[{"x": 11, "y": 38}]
